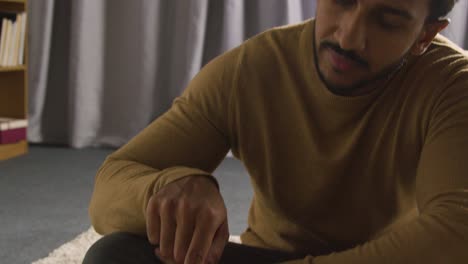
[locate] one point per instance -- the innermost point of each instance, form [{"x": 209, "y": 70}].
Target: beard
[
  {"x": 384, "y": 75},
  {"x": 348, "y": 90}
]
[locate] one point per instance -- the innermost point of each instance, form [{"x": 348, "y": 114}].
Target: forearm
[
  {"x": 122, "y": 190},
  {"x": 439, "y": 235}
]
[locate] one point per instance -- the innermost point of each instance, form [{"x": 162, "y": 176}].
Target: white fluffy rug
[{"x": 74, "y": 251}]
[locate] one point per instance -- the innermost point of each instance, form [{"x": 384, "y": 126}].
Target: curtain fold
[
  {"x": 86, "y": 71},
  {"x": 101, "y": 70},
  {"x": 40, "y": 35},
  {"x": 458, "y": 29}
]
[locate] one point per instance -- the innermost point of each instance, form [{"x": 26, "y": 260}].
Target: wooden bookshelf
[
  {"x": 13, "y": 5},
  {"x": 13, "y": 150},
  {"x": 15, "y": 1},
  {"x": 13, "y": 88},
  {"x": 13, "y": 68}
]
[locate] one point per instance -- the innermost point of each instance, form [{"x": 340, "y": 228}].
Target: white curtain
[
  {"x": 101, "y": 70},
  {"x": 458, "y": 29}
]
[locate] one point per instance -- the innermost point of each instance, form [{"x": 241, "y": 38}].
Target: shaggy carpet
[{"x": 73, "y": 251}]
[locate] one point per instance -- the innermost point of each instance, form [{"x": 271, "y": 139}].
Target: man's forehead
[
  {"x": 401, "y": 3},
  {"x": 415, "y": 8}
]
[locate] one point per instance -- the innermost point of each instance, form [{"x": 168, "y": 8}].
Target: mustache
[{"x": 351, "y": 55}]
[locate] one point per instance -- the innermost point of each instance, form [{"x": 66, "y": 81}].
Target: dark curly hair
[{"x": 440, "y": 8}]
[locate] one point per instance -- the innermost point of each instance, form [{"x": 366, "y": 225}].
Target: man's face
[{"x": 358, "y": 41}]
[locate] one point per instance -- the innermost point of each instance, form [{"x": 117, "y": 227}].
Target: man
[{"x": 353, "y": 128}]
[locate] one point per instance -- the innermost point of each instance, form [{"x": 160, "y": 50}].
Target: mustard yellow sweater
[{"x": 377, "y": 178}]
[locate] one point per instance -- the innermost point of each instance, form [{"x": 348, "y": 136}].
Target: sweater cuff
[{"x": 173, "y": 174}]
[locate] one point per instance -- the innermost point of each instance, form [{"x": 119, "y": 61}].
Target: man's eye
[{"x": 386, "y": 25}]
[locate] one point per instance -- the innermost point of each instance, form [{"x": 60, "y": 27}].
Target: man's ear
[{"x": 430, "y": 31}]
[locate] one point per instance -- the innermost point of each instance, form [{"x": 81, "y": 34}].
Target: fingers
[
  {"x": 163, "y": 259},
  {"x": 219, "y": 243},
  {"x": 187, "y": 223},
  {"x": 152, "y": 222},
  {"x": 202, "y": 239},
  {"x": 168, "y": 229},
  {"x": 184, "y": 232}
]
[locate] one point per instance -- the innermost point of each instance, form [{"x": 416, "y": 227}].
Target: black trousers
[{"x": 125, "y": 248}]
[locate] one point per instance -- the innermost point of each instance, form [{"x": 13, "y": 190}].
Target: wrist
[{"x": 207, "y": 178}]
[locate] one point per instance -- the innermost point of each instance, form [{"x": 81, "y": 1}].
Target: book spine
[
  {"x": 3, "y": 126},
  {"x": 7, "y": 42},
  {"x": 11, "y": 123},
  {"x": 12, "y": 135},
  {"x": 19, "y": 123},
  {"x": 19, "y": 25},
  {"x": 2, "y": 38},
  {"x": 11, "y": 50},
  {"x": 23, "y": 39}
]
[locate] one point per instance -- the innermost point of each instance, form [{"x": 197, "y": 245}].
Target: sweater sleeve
[
  {"x": 439, "y": 234},
  {"x": 192, "y": 138}
]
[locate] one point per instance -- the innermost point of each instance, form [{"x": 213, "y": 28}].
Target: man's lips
[{"x": 341, "y": 62}]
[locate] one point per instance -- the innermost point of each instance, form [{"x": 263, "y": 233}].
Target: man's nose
[{"x": 352, "y": 33}]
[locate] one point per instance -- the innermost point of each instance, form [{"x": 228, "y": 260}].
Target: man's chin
[
  {"x": 345, "y": 89},
  {"x": 341, "y": 83}
]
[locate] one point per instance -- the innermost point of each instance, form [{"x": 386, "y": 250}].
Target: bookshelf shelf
[
  {"x": 12, "y": 69},
  {"x": 16, "y": 1},
  {"x": 13, "y": 5},
  {"x": 14, "y": 88},
  {"x": 12, "y": 150}
]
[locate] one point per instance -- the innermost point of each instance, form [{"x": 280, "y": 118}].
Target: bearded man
[{"x": 353, "y": 127}]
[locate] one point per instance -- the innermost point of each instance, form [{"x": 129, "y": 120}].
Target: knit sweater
[{"x": 375, "y": 178}]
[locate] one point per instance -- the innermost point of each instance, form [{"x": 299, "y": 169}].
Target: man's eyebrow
[{"x": 395, "y": 11}]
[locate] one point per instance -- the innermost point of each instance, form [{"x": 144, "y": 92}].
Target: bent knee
[{"x": 121, "y": 248}]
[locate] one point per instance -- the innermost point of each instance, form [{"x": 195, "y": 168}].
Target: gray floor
[{"x": 44, "y": 198}]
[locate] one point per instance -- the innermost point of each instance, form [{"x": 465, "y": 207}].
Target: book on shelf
[
  {"x": 24, "y": 22},
  {"x": 12, "y": 130},
  {"x": 12, "y": 38},
  {"x": 6, "y": 24}
]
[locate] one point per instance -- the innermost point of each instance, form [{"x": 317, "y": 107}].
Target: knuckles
[
  {"x": 207, "y": 213},
  {"x": 166, "y": 204},
  {"x": 184, "y": 204},
  {"x": 211, "y": 214},
  {"x": 187, "y": 206}
]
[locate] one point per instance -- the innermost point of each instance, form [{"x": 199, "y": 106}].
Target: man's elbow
[
  {"x": 97, "y": 219},
  {"x": 98, "y": 206}
]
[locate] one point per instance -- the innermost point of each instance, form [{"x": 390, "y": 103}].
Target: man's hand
[{"x": 188, "y": 220}]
